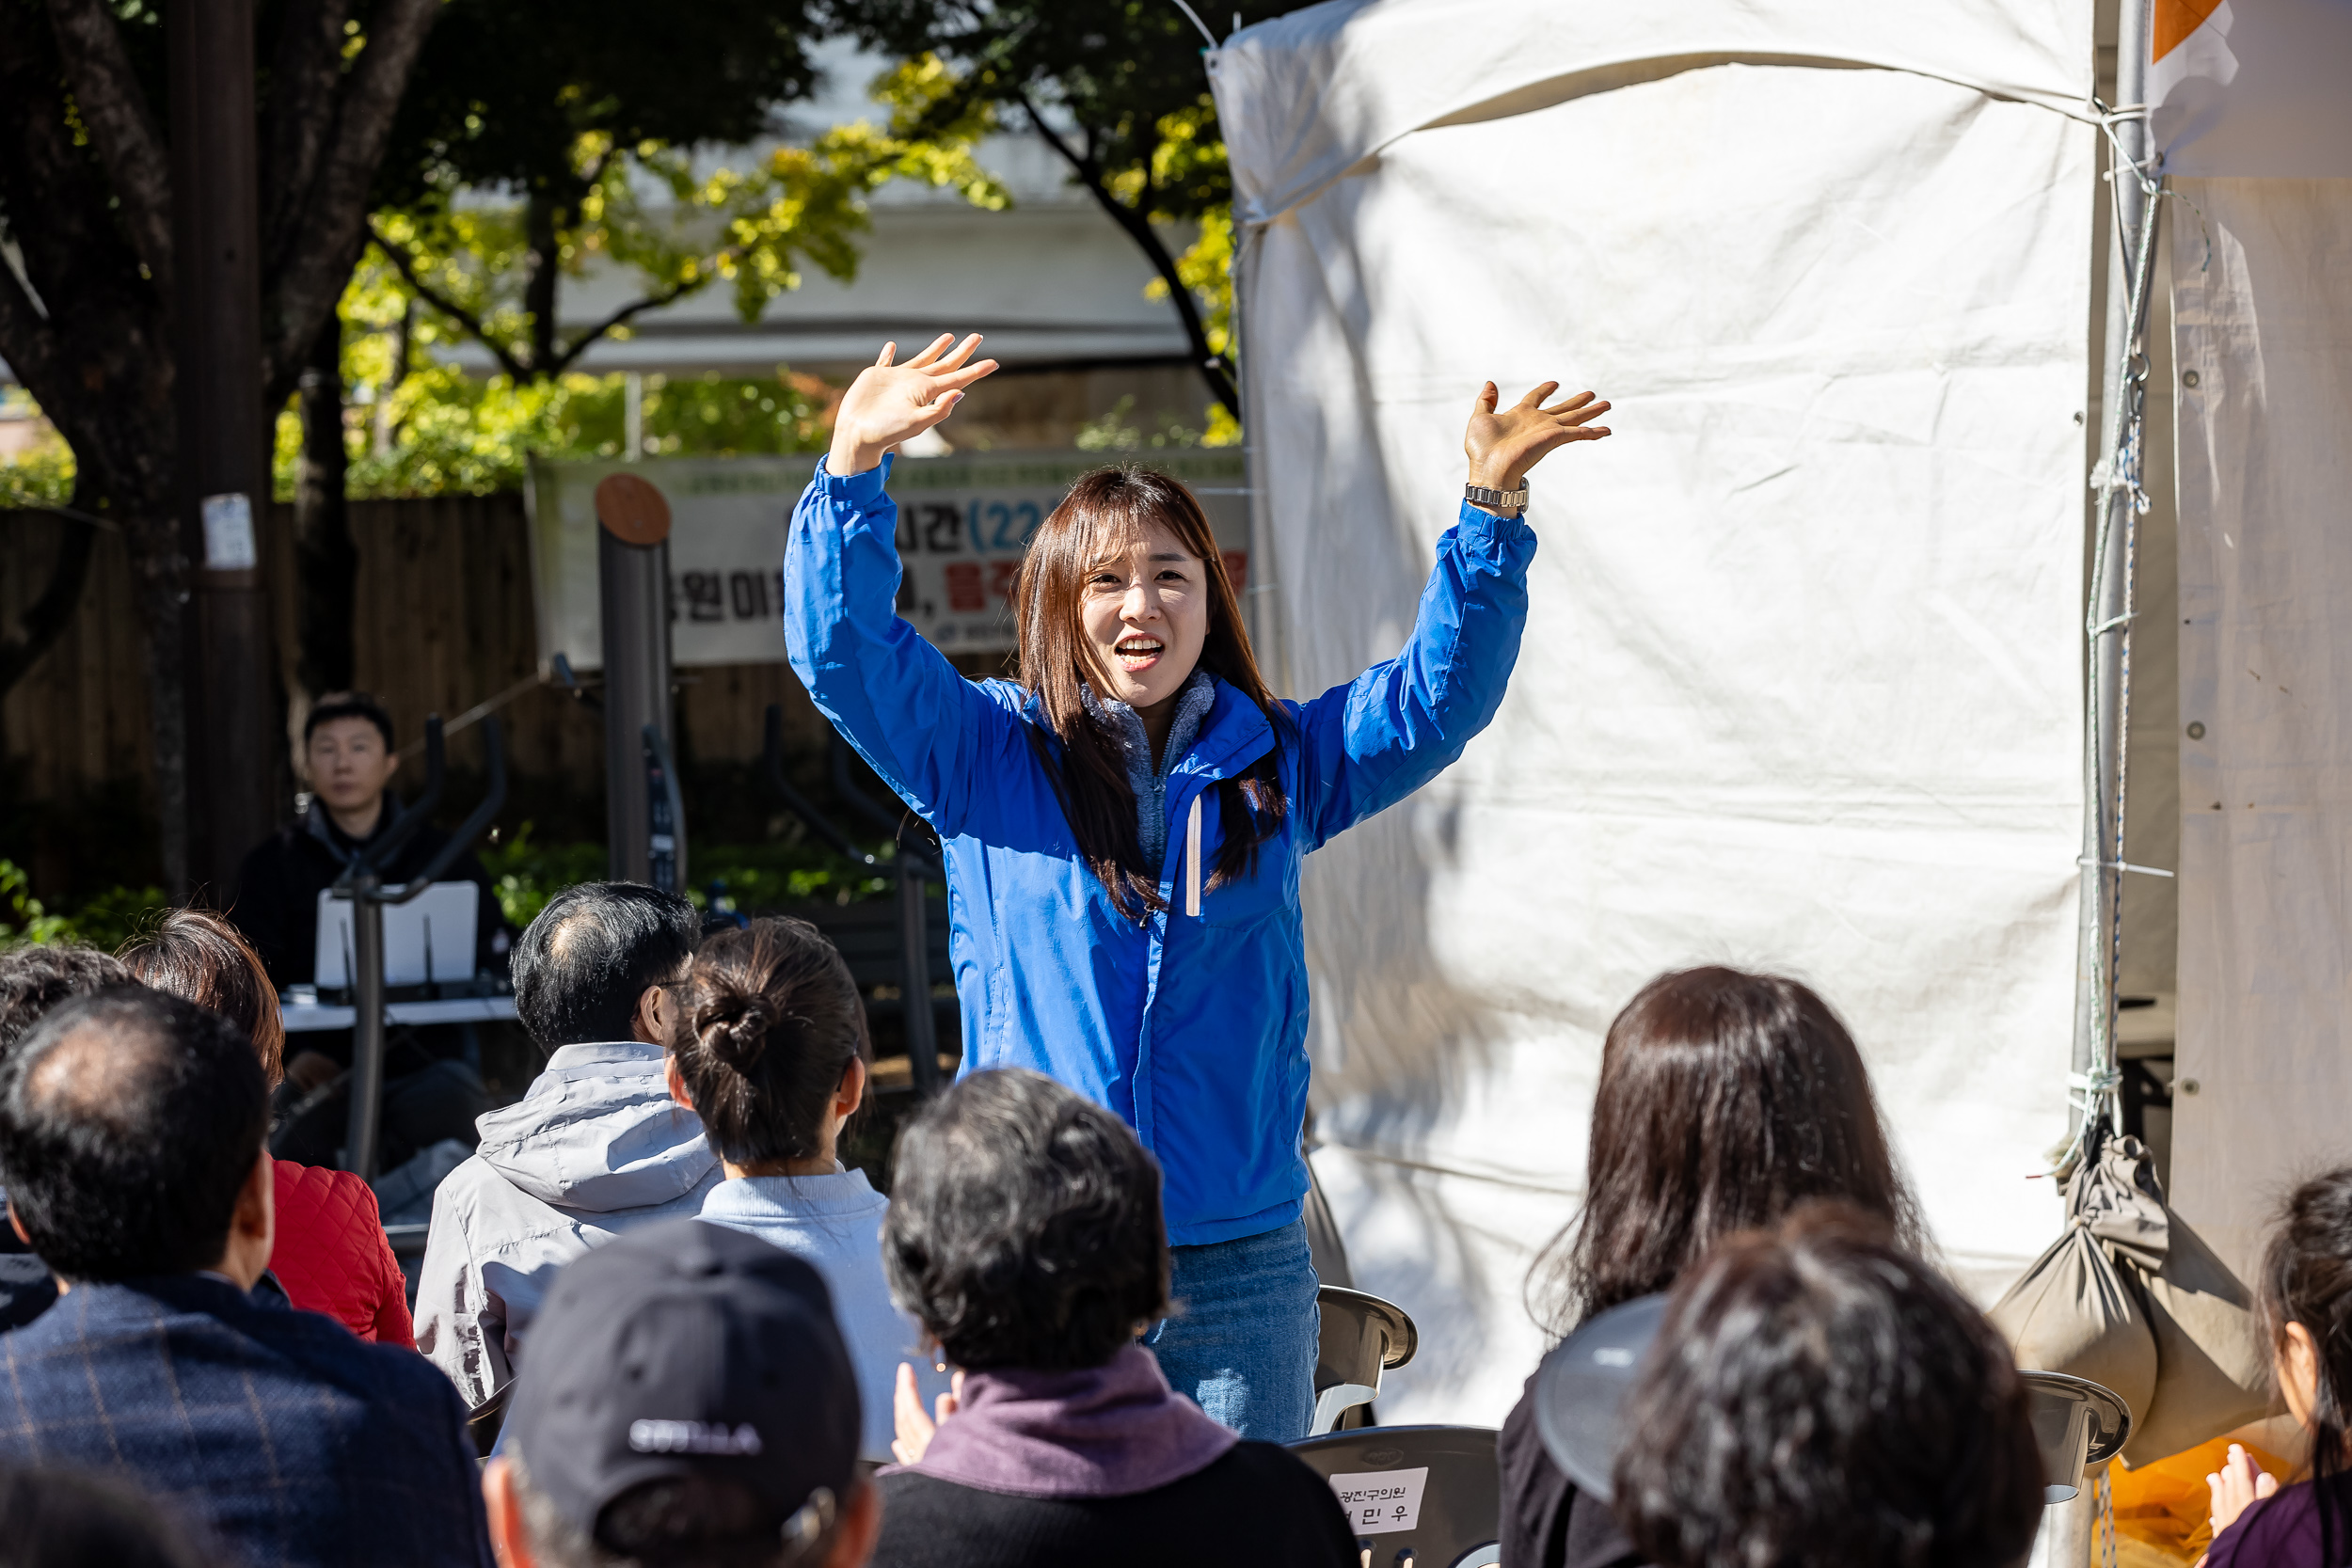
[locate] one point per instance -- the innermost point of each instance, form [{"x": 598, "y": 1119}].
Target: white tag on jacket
[{"x": 1192, "y": 859}]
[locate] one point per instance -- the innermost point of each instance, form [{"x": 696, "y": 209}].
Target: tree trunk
[
  {"x": 45, "y": 619},
  {"x": 326, "y": 561},
  {"x": 160, "y": 585},
  {"x": 547, "y": 259}
]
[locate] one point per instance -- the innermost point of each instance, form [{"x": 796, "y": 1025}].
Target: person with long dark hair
[
  {"x": 1725, "y": 1101},
  {"x": 1125, "y": 824},
  {"x": 2306, "y": 1295}
]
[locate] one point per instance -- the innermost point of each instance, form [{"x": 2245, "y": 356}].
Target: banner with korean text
[{"x": 965, "y": 522}]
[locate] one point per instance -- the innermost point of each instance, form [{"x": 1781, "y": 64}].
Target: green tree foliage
[
  {"x": 1116, "y": 87},
  {"x": 543, "y": 137}
]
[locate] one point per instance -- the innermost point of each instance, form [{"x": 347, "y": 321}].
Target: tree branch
[
  {"x": 45, "y": 619},
  {"x": 28, "y": 341},
  {"x": 622, "y": 317},
  {"x": 1138, "y": 228},
  {"x": 333, "y": 211},
  {"x": 122, "y": 126},
  {"x": 406, "y": 265},
  {"x": 306, "y": 67}
]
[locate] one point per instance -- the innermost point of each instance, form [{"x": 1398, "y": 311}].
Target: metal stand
[
  {"x": 912, "y": 869},
  {"x": 644, "y": 822},
  {"x": 363, "y": 884},
  {"x": 2109, "y": 614}
]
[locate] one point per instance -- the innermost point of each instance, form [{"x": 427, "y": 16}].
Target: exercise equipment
[{"x": 362, "y": 884}]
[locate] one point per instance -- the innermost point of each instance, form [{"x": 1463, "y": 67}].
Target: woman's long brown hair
[
  {"x": 1726, "y": 1100},
  {"x": 1104, "y": 510}
]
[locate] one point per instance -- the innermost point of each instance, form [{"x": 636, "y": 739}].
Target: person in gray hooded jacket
[{"x": 594, "y": 1147}]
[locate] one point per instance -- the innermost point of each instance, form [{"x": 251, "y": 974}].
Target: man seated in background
[
  {"x": 1817, "y": 1397},
  {"x": 34, "y": 978},
  {"x": 594, "y": 1146},
  {"x": 431, "y": 1092},
  {"x": 131, "y": 1131},
  {"x": 689, "y": 1402}
]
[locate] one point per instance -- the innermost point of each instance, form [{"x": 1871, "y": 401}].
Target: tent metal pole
[{"x": 2104, "y": 739}]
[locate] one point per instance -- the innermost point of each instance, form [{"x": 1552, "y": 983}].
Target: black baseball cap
[{"x": 686, "y": 1349}]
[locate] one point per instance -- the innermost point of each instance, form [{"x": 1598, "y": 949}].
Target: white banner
[
  {"x": 963, "y": 523},
  {"x": 2262, "y": 333}
]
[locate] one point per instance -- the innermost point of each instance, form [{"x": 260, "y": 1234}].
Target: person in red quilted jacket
[{"x": 331, "y": 1255}]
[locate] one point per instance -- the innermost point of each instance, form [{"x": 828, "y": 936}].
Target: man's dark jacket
[
  {"x": 277, "y": 902},
  {"x": 277, "y": 1432}
]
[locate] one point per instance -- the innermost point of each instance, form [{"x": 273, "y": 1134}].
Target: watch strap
[{"x": 1496, "y": 500}]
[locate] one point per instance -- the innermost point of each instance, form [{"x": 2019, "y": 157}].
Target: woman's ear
[
  {"x": 676, "y": 1081},
  {"x": 852, "y": 1094},
  {"x": 2298, "y": 1372}
]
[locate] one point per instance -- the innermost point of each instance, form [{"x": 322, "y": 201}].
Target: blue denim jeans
[{"x": 1242, "y": 1339}]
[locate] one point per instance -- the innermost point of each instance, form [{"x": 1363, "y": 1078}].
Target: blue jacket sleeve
[
  {"x": 1370, "y": 743},
  {"x": 929, "y": 732}
]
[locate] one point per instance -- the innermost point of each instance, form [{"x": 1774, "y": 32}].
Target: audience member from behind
[
  {"x": 594, "y": 1147},
  {"x": 131, "y": 1132},
  {"x": 2305, "y": 1294},
  {"x": 1819, "y": 1398},
  {"x": 1025, "y": 1232},
  {"x": 331, "y": 1255},
  {"x": 764, "y": 1048},
  {"x": 1726, "y": 1100},
  {"x": 35, "y": 977},
  {"x": 689, "y": 1405},
  {"x": 65, "y": 1519}
]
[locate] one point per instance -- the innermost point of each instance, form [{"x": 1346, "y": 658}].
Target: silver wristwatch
[{"x": 1497, "y": 500}]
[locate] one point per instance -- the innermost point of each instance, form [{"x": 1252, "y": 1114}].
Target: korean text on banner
[{"x": 965, "y": 523}]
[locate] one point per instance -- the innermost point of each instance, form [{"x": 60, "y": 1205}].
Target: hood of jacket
[{"x": 597, "y": 1131}]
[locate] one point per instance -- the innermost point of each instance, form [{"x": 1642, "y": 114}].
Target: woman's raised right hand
[{"x": 888, "y": 404}]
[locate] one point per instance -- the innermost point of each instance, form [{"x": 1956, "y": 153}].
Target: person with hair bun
[
  {"x": 1124, "y": 826},
  {"x": 330, "y": 1255},
  {"x": 765, "y": 1048}
]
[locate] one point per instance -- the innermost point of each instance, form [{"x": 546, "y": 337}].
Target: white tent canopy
[{"x": 1801, "y": 688}]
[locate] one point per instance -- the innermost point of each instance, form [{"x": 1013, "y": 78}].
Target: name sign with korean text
[
  {"x": 965, "y": 523},
  {"x": 1379, "y": 1502}
]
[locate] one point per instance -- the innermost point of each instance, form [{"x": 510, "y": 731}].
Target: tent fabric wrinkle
[
  {"x": 1800, "y": 683},
  {"x": 1305, "y": 97}
]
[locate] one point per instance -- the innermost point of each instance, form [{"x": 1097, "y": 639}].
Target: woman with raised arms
[{"x": 1124, "y": 823}]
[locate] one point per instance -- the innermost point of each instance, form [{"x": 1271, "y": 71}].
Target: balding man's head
[
  {"x": 129, "y": 1121},
  {"x": 581, "y": 966}
]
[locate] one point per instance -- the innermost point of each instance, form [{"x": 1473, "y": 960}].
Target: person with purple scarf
[{"x": 1025, "y": 1235}]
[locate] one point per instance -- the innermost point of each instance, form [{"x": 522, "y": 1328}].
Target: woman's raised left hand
[{"x": 1503, "y": 443}]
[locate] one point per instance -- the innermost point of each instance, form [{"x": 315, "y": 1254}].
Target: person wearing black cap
[{"x": 689, "y": 1405}]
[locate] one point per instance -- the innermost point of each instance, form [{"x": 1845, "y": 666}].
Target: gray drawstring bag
[
  {"x": 2072, "y": 1311},
  {"x": 2131, "y": 1290}
]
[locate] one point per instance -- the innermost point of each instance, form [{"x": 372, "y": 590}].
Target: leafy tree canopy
[{"x": 1117, "y": 88}]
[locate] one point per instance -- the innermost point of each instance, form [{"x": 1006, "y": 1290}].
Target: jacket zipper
[{"x": 1192, "y": 859}]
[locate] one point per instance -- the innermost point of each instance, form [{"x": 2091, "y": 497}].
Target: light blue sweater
[{"x": 833, "y": 1224}]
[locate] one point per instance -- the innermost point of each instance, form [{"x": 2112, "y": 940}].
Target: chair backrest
[
  {"x": 1362, "y": 1337},
  {"x": 1425, "y": 1497}
]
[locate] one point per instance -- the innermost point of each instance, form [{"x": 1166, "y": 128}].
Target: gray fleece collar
[{"x": 1192, "y": 701}]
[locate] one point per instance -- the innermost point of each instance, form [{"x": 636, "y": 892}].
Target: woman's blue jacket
[{"x": 1193, "y": 1028}]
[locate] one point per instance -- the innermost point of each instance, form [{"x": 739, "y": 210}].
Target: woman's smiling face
[{"x": 1146, "y": 614}]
